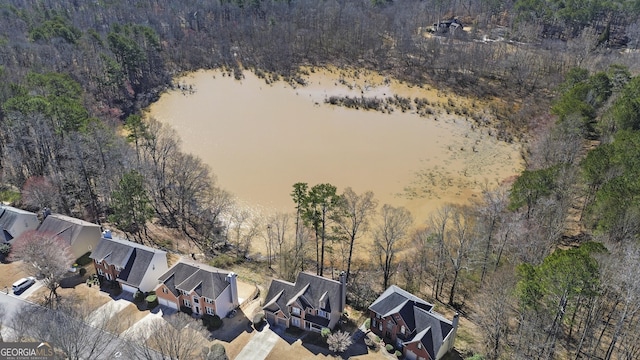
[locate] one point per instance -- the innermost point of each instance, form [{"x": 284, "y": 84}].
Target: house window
[
  {"x": 118, "y": 268},
  {"x": 109, "y": 276},
  {"x": 419, "y": 345},
  {"x": 165, "y": 290},
  {"x": 100, "y": 272},
  {"x": 323, "y": 314},
  {"x": 402, "y": 329},
  {"x": 187, "y": 303},
  {"x": 374, "y": 323},
  {"x": 195, "y": 300},
  {"x": 184, "y": 293},
  {"x": 295, "y": 322},
  {"x": 210, "y": 311},
  {"x": 295, "y": 311},
  {"x": 208, "y": 301},
  {"x": 389, "y": 325}
]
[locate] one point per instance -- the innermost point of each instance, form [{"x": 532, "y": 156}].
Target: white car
[{"x": 23, "y": 284}]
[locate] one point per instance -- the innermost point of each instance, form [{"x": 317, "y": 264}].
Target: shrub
[
  {"x": 5, "y": 249},
  {"x": 152, "y": 301},
  {"x": 216, "y": 352},
  {"x": 339, "y": 341},
  {"x": 389, "y": 348},
  {"x": 186, "y": 310},
  {"x": 83, "y": 271},
  {"x": 367, "y": 324},
  {"x": 258, "y": 318},
  {"x": 138, "y": 296},
  {"x": 325, "y": 332},
  {"x": 222, "y": 261},
  {"x": 84, "y": 259},
  {"x": 398, "y": 354},
  {"x": 211, "y": 322}
]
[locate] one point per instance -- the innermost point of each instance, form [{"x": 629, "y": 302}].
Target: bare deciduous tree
[
  {"x": 45, "y": 255},
  {"x": 172, "y": 338},
  {"x": 354, "y": 219},
  {"x": 388, "y": 237}
]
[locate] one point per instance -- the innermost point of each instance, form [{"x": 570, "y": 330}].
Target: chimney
[
  {"x": 343, "y": 289},
  {"x": 232, "y": 279},
  {"x": 454, "y": 331},
  {"x": 106, "y": 234}
]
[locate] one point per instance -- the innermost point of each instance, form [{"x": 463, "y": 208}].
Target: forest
[{"x": 545, "y": 266}]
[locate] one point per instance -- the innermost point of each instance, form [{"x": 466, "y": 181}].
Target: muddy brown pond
[{"x": 259, "y": 139}]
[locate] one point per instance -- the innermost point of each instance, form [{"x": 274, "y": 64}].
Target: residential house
[
  {"x": 131, "y": 265},
  {"x": 202, "y": 289},
  {"x": 14, "y": 221},
  {"x": 444, "y": 26},
  {"x": 311, "y": 303},
  {"x": 410, "y": 324},
  {"x": 81, "y": 236}
]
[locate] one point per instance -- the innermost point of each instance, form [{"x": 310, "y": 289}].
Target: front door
[{"x": 197, "y": 310}]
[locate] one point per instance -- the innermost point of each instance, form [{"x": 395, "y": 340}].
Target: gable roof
[
  {"x": 394, "y": 299},
  {"x": 66, "y": 227},
  {"x": 205, "y": 280},
  {"x": 309, "y": 291},
  {"x": 424, "y": 325},
  {"x": 133, "y": 258},
  {"x": 9, "y": 216}
]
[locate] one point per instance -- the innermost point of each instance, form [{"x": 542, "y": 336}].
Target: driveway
[
  {"x": 107, "y": 311},
  {"x": 260, "y": 345},
  {"x": 26, "y": 293}
]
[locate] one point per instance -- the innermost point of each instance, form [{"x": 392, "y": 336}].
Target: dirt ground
[{"x": 9, "y": 273}]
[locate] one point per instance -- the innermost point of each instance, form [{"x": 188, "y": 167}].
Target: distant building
[{"x": 445, "y": 26}]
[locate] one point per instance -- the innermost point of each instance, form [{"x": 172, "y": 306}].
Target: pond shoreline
[{"x": 260, "y": 137}]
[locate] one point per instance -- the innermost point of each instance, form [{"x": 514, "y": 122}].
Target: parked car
[{"x": 23, "y": 284}]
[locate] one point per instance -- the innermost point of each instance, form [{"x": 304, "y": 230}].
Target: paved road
[{"x": 260, "y": 345}]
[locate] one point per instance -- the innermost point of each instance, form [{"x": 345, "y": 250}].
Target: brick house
[
  {"x": 311, "y": 303},
  {"x": 411, "y": 325},
  {"x": 201, "y": 288},
  {"x": 131, "y": 265}
]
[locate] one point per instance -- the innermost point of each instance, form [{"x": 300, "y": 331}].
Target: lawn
[{"x": 10, "y": 273}]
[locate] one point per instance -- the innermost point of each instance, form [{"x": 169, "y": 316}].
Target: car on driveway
[{"x": 23, "y": 284}]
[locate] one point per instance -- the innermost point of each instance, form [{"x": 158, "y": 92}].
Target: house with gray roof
[
  {"x": 131, "y": 265},
  {"x": 14, "y": 222},
  {"x": 198, "y": 288},
  {"x": 411, "y": 325},
  {"x": 311, "y": 303},
  {"x": 81, "y": 236}
]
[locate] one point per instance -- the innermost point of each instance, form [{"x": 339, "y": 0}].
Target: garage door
[
  {"x": 410, "y": 355},
  {"x": 168, "y": 303},
  {"x": 129, "y": 289}
]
